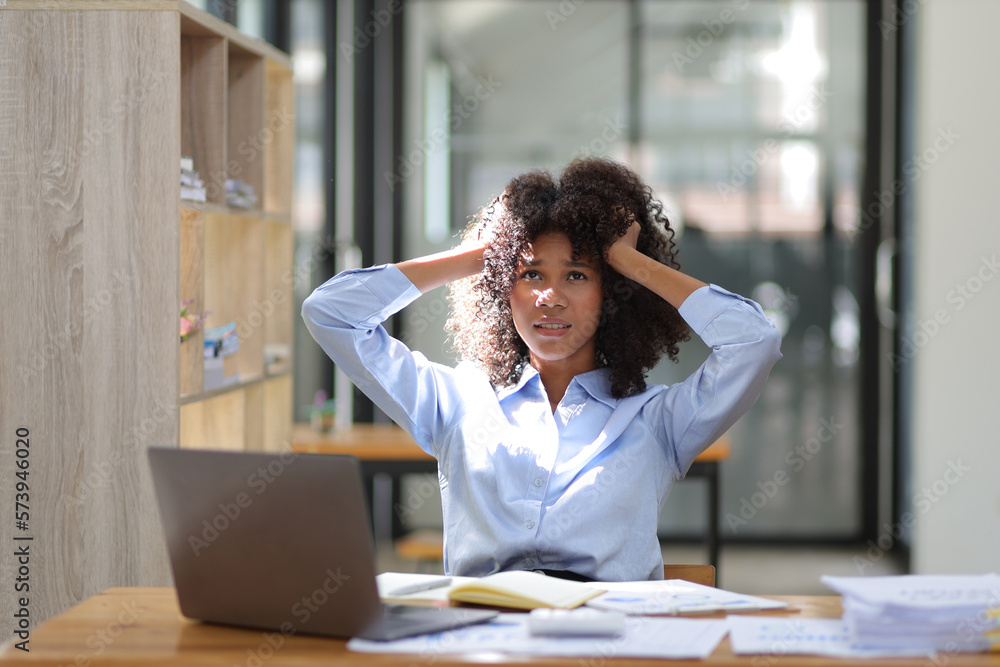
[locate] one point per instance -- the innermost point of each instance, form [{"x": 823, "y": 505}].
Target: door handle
[{"x": 883, "y": 283}]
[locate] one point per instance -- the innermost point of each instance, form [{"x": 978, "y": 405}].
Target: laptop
[{"x": 279, "y": 542}]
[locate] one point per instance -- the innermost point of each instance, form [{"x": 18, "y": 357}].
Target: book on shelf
[
  {"x": 192, "y": 194},
  {"x": 221, "y": 341},
  {"x": 192, "y": 187},
  {"x": 240, "y": 194}
]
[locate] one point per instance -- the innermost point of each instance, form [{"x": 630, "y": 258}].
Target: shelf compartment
[
  {"x": 234, "y": 287},
  {"x": 193, "y": 287},
  {"x": 280, "y": 135},
  {"x": 204, "y": 86},
  {"x": 246, "y": 119},
  {"x": 278, "y": 413},
  {"x": 215, "y": 423},
  {"x": 278, "y": 279}
]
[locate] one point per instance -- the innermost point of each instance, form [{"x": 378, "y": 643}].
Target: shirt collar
[
  {"x": 597, "y": 383},
  {"x": 527, "y": 374}
]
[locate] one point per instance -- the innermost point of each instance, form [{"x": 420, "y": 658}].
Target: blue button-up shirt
[{"x": 523, "y": 487}]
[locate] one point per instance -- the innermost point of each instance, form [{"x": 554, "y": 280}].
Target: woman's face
[{"x": 556, "y": 304}]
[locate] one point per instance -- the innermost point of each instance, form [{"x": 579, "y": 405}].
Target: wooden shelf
[
  {"x": 222, "y": 209},
  {"x": 237, "y": 119},
  {"x": 102, "y": 98},
  {"x": 253, "y": 415},
  {"x": 235, "y": 386}
]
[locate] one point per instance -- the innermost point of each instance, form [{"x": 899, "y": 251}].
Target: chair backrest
[{"x": 697, "y": 574}]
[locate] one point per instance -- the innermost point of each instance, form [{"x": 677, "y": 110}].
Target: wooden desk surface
[
  {"x": 143, "y": 626},
  {"x": 371, "y": 442},
  {"x": 130, "y": 626}
]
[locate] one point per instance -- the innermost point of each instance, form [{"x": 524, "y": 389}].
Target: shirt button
[
  {"x": 531, "y": 524},
  {"x": 538, "y": 482}
]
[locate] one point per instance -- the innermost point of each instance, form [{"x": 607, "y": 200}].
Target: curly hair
[{"x": 594, "y": 202}]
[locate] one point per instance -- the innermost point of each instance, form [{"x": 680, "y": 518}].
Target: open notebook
[
  {"x": 529, "y": 590},
  {"x": 515, "y": 590}
]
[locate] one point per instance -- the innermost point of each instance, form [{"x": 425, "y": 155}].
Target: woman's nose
[{"x": 548, "y": 297}]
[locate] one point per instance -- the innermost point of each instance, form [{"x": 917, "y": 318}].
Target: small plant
[
  {"x": 323, "y": 412},
  {"x": 190, "y": 323}
]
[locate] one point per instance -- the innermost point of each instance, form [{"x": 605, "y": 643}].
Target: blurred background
[{"x": 784, "y": 140}]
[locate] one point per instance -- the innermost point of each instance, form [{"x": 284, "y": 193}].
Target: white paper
[
  {"x": 921, "y": 592},
  {"x": 775, "y": 637},
  {"x": 644, "y": 637},
  {"x": 933, "y": 612},
  {"x": 674, "y": 596}
]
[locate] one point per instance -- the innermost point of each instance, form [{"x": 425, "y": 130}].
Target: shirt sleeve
[
  {"x": 745, "y": 345},
  {"x": 345, "y": 316}
]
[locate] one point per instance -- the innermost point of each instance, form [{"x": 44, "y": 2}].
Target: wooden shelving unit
[
  {"x": 99, "y": 101},
  {"x": 237, "y": 121}
]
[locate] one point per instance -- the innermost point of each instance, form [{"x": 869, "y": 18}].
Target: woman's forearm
[
  {"x": 432, "y": 271},
  {"x": 669, "y": 283}
]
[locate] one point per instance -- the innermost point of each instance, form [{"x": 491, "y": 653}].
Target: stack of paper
[{"x": 924, "y": 612}]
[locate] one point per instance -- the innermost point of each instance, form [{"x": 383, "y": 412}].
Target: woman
[{"x": 553, "y": 454}]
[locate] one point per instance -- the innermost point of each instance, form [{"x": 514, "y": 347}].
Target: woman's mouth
[{"x": 552, "y": 328}]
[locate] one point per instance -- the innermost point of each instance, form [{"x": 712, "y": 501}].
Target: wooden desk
[
  {"x": 385, "y": 448},
  {"x": 143, "y": 626},
  {"x": 130, "y": 626}
]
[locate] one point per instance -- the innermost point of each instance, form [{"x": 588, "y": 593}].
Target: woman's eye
[
  {"x": 530, "y": 275},
  {"x": 576, "y": 275}
]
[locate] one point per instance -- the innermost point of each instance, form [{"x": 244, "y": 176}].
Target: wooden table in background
[{"x": 388, "y": 449}]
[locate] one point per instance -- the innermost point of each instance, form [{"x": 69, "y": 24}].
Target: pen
[{"x": 416, "y": 588}]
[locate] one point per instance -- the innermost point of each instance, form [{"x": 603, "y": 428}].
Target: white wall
[{"x": 955, "y": 421}]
